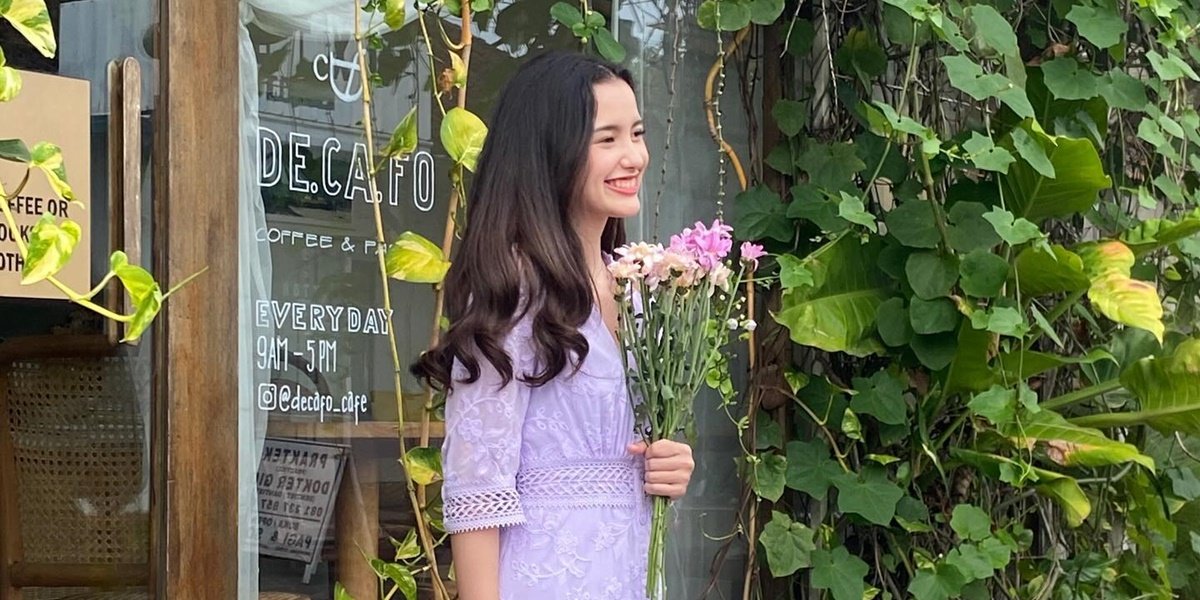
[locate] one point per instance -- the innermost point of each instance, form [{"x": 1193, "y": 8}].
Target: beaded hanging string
[{"x": 677, "y": 18}]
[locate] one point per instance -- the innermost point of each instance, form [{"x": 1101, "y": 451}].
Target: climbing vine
[{"x": 984, "y": 218}]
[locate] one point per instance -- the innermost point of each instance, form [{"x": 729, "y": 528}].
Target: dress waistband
[{"x": 583, "y": 484}]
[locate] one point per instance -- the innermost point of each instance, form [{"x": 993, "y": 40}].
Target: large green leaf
[
  {"x": 1063, "y": 489},
  {"x": 50, "y": 247},
  {"x": 770, "y": 471},
  {"x": 810, "y": 468},
  {"x": 869, "y": 494},
  {"x": 1168, "y": 390},
  {"x": 758, "y": 213},
  {"x": 837, "y": 314},
  {"x": 839, "y": 572},
  {"x": 969, "y": 371},
  {"x": 1153, "y": 234},
  {"x": 1079, "y": 176},
  {"x": 1020, "y": 364},
  {"x": 463, "y": 134},
  {"x": 1102, "y": 25},
  {"x": 415, "y": 259},
  {"x": 881, "y": 396},
  {"x": 32, "y": 20},
  {"x": 1117, "y": 295},
  {"x": 1072, "y": 445},
  {"x": 788, "y": 544},
  {"x": 1039, "y": 272}
]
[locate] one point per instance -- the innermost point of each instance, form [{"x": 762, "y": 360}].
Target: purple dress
[{"x": 549, "y": 466}]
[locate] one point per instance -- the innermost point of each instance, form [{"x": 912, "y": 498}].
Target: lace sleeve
[{"x": 482, "y": 449}]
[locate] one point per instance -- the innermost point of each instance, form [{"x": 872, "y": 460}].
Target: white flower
[
  {"x": 639, "y": 251},
  {"x": 750, "y": 325},
  {"x": 624, "y": 268},
  {"x": 719, "y": 276},
  {"x": 732, "y": 324}
]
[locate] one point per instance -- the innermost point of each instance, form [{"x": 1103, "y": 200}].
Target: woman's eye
[{"x": 639, "y": 133}]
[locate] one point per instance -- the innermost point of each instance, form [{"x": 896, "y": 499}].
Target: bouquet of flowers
[{"x": 676, "y": 308}]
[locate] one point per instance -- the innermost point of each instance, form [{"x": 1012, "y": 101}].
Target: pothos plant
[
  {"x": 413, "y": 258},
  {"x": 984, "y": 218},
  {"x": 50, "y": 243}
]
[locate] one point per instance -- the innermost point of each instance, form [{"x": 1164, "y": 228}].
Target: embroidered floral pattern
[{"x": 549, "y": 466}]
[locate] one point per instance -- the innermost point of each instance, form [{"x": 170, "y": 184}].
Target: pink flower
[
  {"x": 708, "y": 244},
  {"x": 751, "y": 253}
]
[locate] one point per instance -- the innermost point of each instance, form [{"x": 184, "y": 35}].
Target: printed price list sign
[{"x": 297, "y": 487}]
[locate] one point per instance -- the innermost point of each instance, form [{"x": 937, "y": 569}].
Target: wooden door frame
[{"x": 195, "y": 501}]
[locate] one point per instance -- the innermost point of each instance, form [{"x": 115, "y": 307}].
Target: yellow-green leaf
[
  {"x": 1168, "y": 389},
  {"x": 142, "y": 289},
  {"x": 1104, "y": 258},
  {"x": 10, "y": 80},
  {"x": 415, "y": 259},
  {"x": 1128, "y": 301},
  {"x": 393, "y": 13},
  {"x": 1071, "y": 445},
  {"x": 50, "y": 247},
  {"x": 340, "y": 593},
  {"x": 31, "y": 18},
  {"x": 459, "y": 69},
  {"x": 408, "y": 548},
  {"x": 404, "y": 138},
  {"x": 1117, "y": 295},
  {"x": 48, "y": 158},
  {"x": 424, "y": 465},
  {"x": 462, "y": 136}
]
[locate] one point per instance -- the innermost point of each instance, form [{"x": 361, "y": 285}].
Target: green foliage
[
  {"x": 591, "y": 26},
  {"x": 989, "y": 251},
  {"x": 51, "y": 241}
]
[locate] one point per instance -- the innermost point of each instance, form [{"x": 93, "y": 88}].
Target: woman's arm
[{"x": 477, "y": 564}]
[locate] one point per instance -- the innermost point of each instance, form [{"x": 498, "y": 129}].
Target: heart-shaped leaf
[
  {"x": 48, "y": 158},
  {"x": 463, "y": 134},
  {"x": 424, "y": 465},
  {"x": 837, "y": 313},
  {"x": 788, "y": 544},
  {"x": 32, "y": 20},
  {"x": 50, "y": 247},
  {"x": 415, "y": 259},
  {"x": 404, "y": 137}
]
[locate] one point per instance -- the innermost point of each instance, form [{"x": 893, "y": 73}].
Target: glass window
[
  {"x": 317, "y": 377},
  {"x": 321, "y": 483},
  {"x": 75, "y": 408}
]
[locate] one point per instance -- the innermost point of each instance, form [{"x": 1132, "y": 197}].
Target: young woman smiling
[{"x": 546, "y": 492}]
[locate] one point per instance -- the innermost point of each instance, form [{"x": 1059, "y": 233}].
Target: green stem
[
  {"x": 1106, "y": 420},
  {"x": 1080, "y": 395},
  {"x": 939, "y": 217}
]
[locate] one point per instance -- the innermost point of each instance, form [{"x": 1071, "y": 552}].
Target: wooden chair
[{"x": 72, "y": 471}]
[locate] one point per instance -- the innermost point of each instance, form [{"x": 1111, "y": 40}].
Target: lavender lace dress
[{"x": 550, "y": 468}]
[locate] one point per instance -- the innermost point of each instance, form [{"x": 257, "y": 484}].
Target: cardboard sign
[
  {"x": 48, "y": 109},
  {"x": 297, "y": 486}
]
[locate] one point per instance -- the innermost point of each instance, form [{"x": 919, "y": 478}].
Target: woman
[{"x": 546, "y": 486}]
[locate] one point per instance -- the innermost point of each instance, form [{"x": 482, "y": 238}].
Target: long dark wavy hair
[{"x": 519, "y": 240}]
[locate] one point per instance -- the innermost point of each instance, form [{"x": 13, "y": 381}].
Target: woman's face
[{"x": 617, "y": 155}]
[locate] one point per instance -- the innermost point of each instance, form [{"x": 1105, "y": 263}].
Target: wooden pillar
[{"x": 195, "y": 220}]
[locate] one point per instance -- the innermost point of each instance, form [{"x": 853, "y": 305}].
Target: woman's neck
[{"x": 590, "y": 234}]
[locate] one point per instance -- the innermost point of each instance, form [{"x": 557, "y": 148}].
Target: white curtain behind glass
[{"x": 334, "y": 19}]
